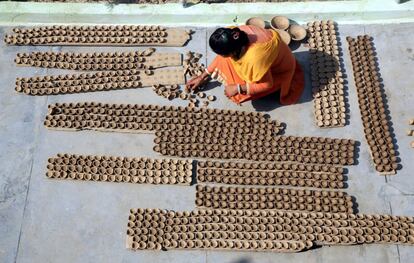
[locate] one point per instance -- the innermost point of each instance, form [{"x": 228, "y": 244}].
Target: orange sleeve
[
  {"x": 265, "y": 85},
  {"x": 213, "y": 65}
]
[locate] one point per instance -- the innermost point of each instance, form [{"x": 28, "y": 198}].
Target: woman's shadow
[{"x": 272, "y": 101}]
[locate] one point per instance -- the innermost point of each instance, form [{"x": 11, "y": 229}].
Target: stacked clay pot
[
  {"x": 88, "y": 35},
  {"x": 261, "y": 230},
  {"x": 327, "y": 78},
  {"x": 119, "y": 169},
  {"x": 230, "y": 143},
  {"x": 98, "y": 60},
  {"x": 371, "y": 104},
  {"x": 267, "y": 173},
  {"x": 134, "y": 118},
  {"x": 250, "y": 198},
  {"x": 98, "y": 81}
]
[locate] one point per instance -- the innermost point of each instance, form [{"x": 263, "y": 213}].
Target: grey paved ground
[{"x": 62, "y": 221}]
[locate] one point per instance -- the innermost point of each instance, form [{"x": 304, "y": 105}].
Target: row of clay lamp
[
  {"x": 269, "y": 181},
  {"x": 255, "y": 154},
  {"x": 157, "y": 229},
  {"x": 272, "y": 198},
  {"x": 326, "y": 75},
  {"x": 131, "y": 170},
  {"x": 275, "y": 166},
  {"x": 86, "y": 61},
  {"x": 270, "y": 174},
  {"x": 120, "y": 162},
  {"x": 87, "y": 35},
  {"x": 371, "y": 104},
  {"x": 258, "y": 145},
  {"x": 86, "y": 82},
  {"x": 17, "y": 40},
  {"x": 154, "y": 117},
  {"x": 72, "y": 56}
]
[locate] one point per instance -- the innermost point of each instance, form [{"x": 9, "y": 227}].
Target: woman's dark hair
[{"x": 228, "y": 41}]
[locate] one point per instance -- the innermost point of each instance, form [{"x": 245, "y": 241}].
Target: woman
[{"x": 252, "y": 62}]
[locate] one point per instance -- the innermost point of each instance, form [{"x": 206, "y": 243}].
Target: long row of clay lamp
[
  {"x": 119, "y": 169},
  {"x": 99, "y": 81},
  {"x": 87, "y": 61},
  {"x": 326, "y": 75},
  {"x": 278, "y": 148},
  {"x": 129, "y": 117},
  {"x": 272, "y": 198},
  {"x": 371, "y": 104},
  {"x": 85, "y": 82},
  {"x": 288, "y": 174},
  {"x": 87, "y": 35},
  {"x": 261, "y": 229}
]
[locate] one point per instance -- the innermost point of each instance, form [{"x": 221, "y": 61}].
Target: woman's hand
[
  {"x": 230, "y": 91},
  {"x": 197, "y": 82}
]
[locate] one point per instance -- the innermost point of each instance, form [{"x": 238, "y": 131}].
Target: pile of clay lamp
[
  {"x": 261, "y": 230},
  {"x": 119, "y": 169},
  {"x": 134, "y": 118},
  {"x": 326, "y": 75},
  {"x": 89, "y": 35},
  {"x": 270, "y": 174},
  {"x": 371, "y": 104},
  {"x": 146, "y": 59},
  {"x": 246, "y": 198},
  {"x": 98, "y": 81},
  {"x": 234, "y": 144},
  {"x": 282, "y": 25},
  {"x": 192, "y": 64},
  {"x": 171, "y": 92}
]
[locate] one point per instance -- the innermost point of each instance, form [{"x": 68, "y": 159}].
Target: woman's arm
[{"x": 265, "y": 85}]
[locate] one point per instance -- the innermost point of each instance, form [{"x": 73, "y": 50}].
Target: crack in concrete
[
  {"x": 28, "y": 185},
  {"x": 399, "y": 190}
]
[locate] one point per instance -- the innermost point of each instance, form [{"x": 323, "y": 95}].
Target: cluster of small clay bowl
[
  {"x": 116, "y": 35},
  {"x": 85, "y": 82},
  {"x": 261, "y": 229},
  {"x": 171, "y": 92},
  {"x": 86, "y": 61},
  {"x": 326, "y": 75},
  {"x": 281, "y": 24},
  {"x": 278, "y": 148},
  {"x": 119, "y": 169},
  {"x": 271, "y": 174},
  {"x": 370, "y": 98},
  {"x": 272, "y": 198},
  {"x": 91, "y": 115},
  {"x": 192, "y": 64}
]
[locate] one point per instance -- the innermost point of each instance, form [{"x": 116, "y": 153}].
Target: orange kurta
[{"x": 263, "y": 77}]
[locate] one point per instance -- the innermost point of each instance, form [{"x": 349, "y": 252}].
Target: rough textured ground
[{"x": 64, "y": 221}]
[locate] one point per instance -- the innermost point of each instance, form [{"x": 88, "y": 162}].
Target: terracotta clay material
[
  {"x": 280, "y": 22},
  {"x": 256, "y": 21},
  {"x": 297, "y": 32},
  {"x": 284, "y": 35}
]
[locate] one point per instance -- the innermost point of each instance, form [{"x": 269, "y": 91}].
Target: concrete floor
[{"x": 63, "y": 221}]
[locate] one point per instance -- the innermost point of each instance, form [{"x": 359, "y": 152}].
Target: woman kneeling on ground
[{"x": 252, "y": 62}]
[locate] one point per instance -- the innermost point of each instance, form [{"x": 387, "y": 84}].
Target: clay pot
[
  {"x": 297, "y": 32},
  {"x": 256, "y": 21},
  {"x": 284, "y": 36},
  {"x": 280, "y": 22}
]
